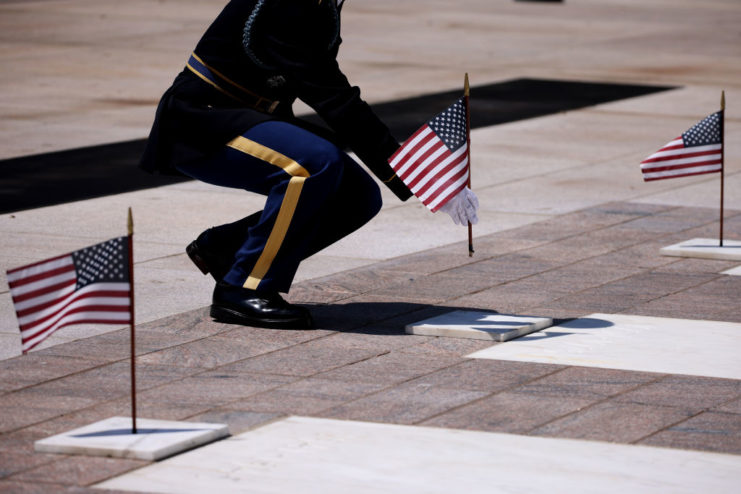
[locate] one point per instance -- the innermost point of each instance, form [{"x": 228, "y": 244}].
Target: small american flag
[
  {"x": 697, "y": 151},
  {"x": 91, "y": 285},
  {"x": 433, "y": 162}
]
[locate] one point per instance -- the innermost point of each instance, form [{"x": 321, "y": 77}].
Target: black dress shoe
[
  {"x": 213, "y": 251},
  {"x": 233, "y": 304}
]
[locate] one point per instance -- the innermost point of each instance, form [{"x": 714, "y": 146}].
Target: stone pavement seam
[
  {"x": 327, "y": 412},
  {"x": 730, "y": 214},
  {"x": 668, "y": 427},
  {"x": 559, "y": 368},
  {"x": 659, "y": 377}
]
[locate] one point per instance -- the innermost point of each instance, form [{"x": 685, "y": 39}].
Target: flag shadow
[
  {"x": 575, "y": 323},
  {"x": 709, "y": 247},
  {"x": 128, "y": 432}
]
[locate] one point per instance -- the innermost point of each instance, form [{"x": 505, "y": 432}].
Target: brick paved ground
[{"x": 360, "y": 365}]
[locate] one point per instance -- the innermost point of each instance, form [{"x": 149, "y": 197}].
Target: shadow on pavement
[
  {"x": 393, "y": 317},
  {"x": 65, "y": 176}
]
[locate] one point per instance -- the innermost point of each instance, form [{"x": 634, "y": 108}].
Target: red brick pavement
[{"x": 362, "y": 366}]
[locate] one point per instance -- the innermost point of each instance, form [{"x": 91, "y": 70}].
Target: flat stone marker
[
  {"x": 628, "y": 342},
  {"x": 733, "y": 271},
  {"x": 155, "y": 439},
  {"x": 324, "y": 456},
  {"x": 705, "y": 248},
  {"x": 478, "y": 325}
]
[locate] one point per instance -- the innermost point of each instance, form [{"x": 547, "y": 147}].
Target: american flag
[
  {"x": 90, "y": 285},
  {"x": 433, "y": 162},
  {"x": 697, "y": 151}
]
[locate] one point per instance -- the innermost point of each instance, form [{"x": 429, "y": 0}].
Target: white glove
[{"x": 463, "y": 207}]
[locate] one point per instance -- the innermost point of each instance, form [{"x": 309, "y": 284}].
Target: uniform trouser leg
[{"x": 316, "y": 194}]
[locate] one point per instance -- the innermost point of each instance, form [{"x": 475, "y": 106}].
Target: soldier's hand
[{"x": 463, "y": 208}]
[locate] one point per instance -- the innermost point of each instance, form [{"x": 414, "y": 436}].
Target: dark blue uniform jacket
[{"x": 259, "y": 52}]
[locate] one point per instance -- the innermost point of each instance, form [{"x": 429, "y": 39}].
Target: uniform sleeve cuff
[{"x": 399, "y": 188}]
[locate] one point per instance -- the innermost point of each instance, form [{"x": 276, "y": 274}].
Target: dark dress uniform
[{"x": 227, "y": 120}]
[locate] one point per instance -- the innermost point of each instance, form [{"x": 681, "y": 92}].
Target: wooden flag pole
[
  {"x": 466, "y": 92},
  {"x": 722, "y": 158},
  {"x": 131, "y": 316}
]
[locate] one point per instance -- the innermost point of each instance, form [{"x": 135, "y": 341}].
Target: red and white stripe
[
  {"x": 429, "y": 169},
  {"x": 675, "y": 160},
  {"x": 45, "y": 299}
]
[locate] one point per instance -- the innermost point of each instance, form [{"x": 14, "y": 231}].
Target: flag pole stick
[
  {"x": 466, "y": 92},
  {"x": 722, "y": 158},
  {"x": 131, "y": 317}
]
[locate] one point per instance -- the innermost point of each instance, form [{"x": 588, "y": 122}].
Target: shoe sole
[
  {"x": 224, "y": 314},
  {"x": 195, "y": 255}
]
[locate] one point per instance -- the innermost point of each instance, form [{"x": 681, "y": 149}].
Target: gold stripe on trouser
[{"x": 287, "y": 208}]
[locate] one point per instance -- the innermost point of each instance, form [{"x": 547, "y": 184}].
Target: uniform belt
[{"x": 229, "y": 87}]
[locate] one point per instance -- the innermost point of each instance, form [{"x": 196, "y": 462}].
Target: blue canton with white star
[
  {"x": 450, "y": 125},
  {"x": 101, "y": 263},
  {"x": 704, "y": 132}
]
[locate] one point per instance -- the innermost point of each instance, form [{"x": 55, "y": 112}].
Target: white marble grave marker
[
  {"x": 705, "y": 248},
  {"x": 733, "y": 271},
  {"x": 628, "y": 342},
  {"x": 155, "y": 439},
  {"x": 479, "y": 325}
]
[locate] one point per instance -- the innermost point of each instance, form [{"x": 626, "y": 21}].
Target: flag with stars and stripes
[
  {"x": 697, "y": 151},
  {"x": 90, "y": 285},
  {"x": 433, "y": 162}
]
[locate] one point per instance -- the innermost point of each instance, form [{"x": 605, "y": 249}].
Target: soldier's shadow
[
  {"x": 374, "y": 317},
  {"x": 393, "y": 317},
  {"x": 383, "y": 317}
]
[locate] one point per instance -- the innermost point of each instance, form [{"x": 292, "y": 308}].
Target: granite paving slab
[
  {"x": 709, "y": 430},
  {"x": 307, "y": 396},
  {"x": 618, "y": 422}
]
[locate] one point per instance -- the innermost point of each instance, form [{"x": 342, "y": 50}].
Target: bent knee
[
  {"x": 367, "y": 198},
  {"x": 374, "y": 199},
  {"x": 324, "y": 157}
]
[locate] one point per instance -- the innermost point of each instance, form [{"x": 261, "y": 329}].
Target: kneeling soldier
[{"x": 227, "y": 120}]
